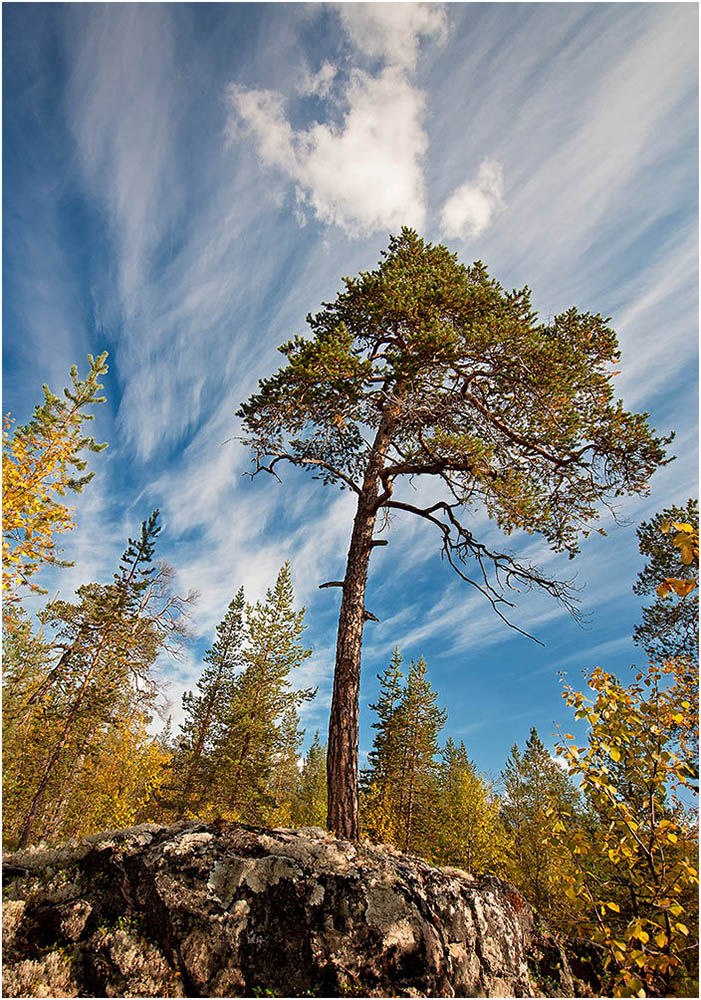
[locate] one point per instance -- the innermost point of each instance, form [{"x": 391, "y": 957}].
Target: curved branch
[
  {"x": 298, "y": 460},
  {"x": 516, "y": 438},
  {"x": 458, "y": 542}
]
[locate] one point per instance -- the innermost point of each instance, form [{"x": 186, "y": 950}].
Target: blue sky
[{"x": 182, "y": 183}]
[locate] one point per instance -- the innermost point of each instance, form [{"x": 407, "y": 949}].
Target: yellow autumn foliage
[
  {"x": 40, "y": 463},
  {"x": 119, "y": 790},
  {"x": 634, "y": 871},
  {"x": 686, "y": 539}
]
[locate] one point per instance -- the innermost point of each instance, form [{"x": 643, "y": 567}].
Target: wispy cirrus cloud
[
  {"x": 589, "y": 160},
  {"x": 124, "y": 114},
  {"x": 659, "y": 297},
  {"x": 186, "y": 258}
]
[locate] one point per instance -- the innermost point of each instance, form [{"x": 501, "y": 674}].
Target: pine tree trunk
[{"x": 342, "y": 754}]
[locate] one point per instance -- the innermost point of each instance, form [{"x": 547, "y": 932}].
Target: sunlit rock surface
[{"x": 208, "y": 910}]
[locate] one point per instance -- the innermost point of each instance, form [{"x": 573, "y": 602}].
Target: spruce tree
[
  {"x": 385, "y": 754},
  {"x": 400, "y": 785},
  {"x": 533, "y": 784},
  {"x": 381, "y": 780},
  {"x": 421, "y": 722},
  {"x": 195, "y": 767},
  {"x": 256, "y": 724}
]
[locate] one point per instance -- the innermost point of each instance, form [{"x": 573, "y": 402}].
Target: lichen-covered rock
[{"x": 229, "y": 910}]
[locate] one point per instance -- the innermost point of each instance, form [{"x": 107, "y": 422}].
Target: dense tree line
[
  {"x": 79, "y": 681},
  {"x": 434, "y": 802},
  {"x": 81, "y": 689},
  {"x": 599, "y": 837}
]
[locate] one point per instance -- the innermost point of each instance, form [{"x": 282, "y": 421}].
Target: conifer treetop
[{"x": 507, "y": 412}]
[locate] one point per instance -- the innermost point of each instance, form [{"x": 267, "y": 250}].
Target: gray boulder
[{"x": 224, "y": 909}]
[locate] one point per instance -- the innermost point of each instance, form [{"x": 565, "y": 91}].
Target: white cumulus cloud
[
  {"x": 362, "y": 175},
  {"x": 471, "y": 208},
  {"x": 392, "y": 31},
  {"x": 317, "y": 84},
  {"x": 362, "y": 169}
]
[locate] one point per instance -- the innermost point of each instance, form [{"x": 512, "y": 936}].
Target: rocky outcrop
[{"x": 229, "y": 910}]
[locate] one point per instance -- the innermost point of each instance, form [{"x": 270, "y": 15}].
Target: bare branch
[
  {"x": 331, "y": 583},
  {"x": 299, "y": 460},
  {"x": 459, "y": 544}
]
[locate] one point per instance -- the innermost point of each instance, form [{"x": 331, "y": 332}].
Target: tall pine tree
[{"x": 425, "y": 367}]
